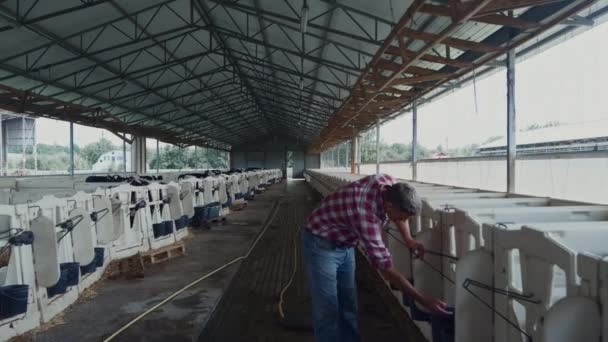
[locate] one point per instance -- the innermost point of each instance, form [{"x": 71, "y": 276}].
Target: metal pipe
[
  {"x": 353, "y": 154},
  {"x": 71, "y": 149},
  {"x": 358, "y": 154},
  {"x": 304, "y": 18},
  {"x": 124, "y": 156},
  {"x": 157, "y": 157},
  {"x": 2, "y": 145},
  {"x": 23, "y": 142},
  {"x": 511, "y": 121},
  {"x": 414, "y": 141},
  {"x": 378, "y": 145}
]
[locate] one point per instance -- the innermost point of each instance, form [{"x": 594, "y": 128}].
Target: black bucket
[
  {"x": 168, "y": 227},
  {"x": 199, "y": 216},
  {"x": 250, "y": 196},
  {"x": 13, "y": 300},
  {"x": 61, "y": 286},
  {"x": 73, "y": 274},
  {"x": 159, "y": 229},
  {"x": 443, "y": 327},
  {"x": 90, "y": 268},
  {"x": 181, "y": 222},
  {"x": 99, "y": 255}
]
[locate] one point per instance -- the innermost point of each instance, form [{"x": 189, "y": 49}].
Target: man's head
[{"x": 400, "y": 201}]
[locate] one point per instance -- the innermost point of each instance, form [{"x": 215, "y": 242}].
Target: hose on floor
[
  {"x": 178, "y": 292},
  {"x": 293, "y": 274}
]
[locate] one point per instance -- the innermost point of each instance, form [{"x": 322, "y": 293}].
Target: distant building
[
  {"x": 583, "y": 137},
  {"x": 439, "y": 154},
  {"x": 111, "y": 161}
]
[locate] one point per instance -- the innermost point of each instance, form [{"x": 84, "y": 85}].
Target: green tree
[{"x": 92, "y": 152}]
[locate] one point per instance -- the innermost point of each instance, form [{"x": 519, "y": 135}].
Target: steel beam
[
  {"x": 414, "y": 141},
  {"x": 377, "y": 146},
  {"x": 511, "y": 122}
]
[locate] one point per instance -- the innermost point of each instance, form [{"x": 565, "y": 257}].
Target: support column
[
  {"x": 414, "y": 141},
  {"x": 71, "y": 148},
  {"x": 139, "y": 155},
  {"x": 358, "y": 154},
  {"x": 23, "y": 142},
  {"x": 34, "y": 148},
  {"x": 124, "y": 156},
  {"x": 353, "y": 154},
  {"x": 157, "y": 157},
  {"x": 377, "y": 145},
  {"x": 2, "y": 145},
  {"x": 511, "y": 124}
]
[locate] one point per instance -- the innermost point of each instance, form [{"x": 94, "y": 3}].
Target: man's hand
[
  {"x": 416, "y": 247},
  {"x": 435, "y": 306}
]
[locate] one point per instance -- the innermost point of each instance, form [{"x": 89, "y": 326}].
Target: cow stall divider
[{"x": 514, "y": 267}]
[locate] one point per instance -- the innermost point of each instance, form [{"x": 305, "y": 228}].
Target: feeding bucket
[
  {"x": 13, "y": 300},
  {"x": 99, "y": 255},
  {"x": 181, "y": 223},
  {"x": 168, "y": 227},
  {"x": 72, "y": 272},
  {"x": 199, "y": 216},
  {"x": 89, "y": 268},
  {"x": 61, "y": 286},
  {"x": 158, "y": 229},
  {"x": 443, "y": 327}
]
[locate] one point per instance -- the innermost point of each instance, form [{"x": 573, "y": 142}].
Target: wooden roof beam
[
  {"x": 428, "y": 58},
  {"x": 461, "y": 44},
  {"x": 506, "y": 5},
  {"x": 394, "y": 66},
  {"x": 420, "y": 79},
  {"x": 496, "y": 19}
]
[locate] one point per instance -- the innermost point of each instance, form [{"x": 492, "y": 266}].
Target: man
[{"x": 355, "y": 214}]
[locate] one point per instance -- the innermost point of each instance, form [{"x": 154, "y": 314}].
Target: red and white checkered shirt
[{"x": 354, "y": 214}]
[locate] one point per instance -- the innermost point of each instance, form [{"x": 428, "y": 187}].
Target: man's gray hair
[{"x": 404, "y": 197}]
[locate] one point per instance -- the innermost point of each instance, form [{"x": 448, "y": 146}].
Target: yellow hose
[{"x": 175, "y": 294}]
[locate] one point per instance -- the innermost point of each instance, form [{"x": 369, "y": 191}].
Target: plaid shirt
[{"x": 354, "y": 214}]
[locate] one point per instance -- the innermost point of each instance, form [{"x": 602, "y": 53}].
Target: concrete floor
[
  {"x": 231, "y": 305},
  {"x": 182, "y": 319}
]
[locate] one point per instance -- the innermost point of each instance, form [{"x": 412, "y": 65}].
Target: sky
[{"x": 565, "y": 83}]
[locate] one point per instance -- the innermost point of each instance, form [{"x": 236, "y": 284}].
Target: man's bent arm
[{"x": 399, "y": 281}]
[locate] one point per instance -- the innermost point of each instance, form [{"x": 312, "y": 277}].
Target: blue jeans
[{"x": 330, "y": 271}]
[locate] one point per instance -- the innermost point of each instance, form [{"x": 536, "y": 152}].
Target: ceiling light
[{"x": 304, "y": 18}]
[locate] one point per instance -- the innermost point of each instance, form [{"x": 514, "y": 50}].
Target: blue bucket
[
  {"x": 168, "y": 227},
  {"x": 13, "y": 300},
  {"x": 158, "y": 229},
  {"x": 214, "y": 212},
  {"x": 99, "y": 255},
  {"x": 199, "y": 216},
  {"x": 90, "y": 268},
  {"x": 73, "y": 274},
  {"x": 228, "y": 203},
  {"x": 443, "y": 327},
  {"x": 181, "y": 222},
  {"x": 60, "y": 287}
]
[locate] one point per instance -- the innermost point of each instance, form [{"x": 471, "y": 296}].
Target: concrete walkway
[{"x": 119, "y": 301}]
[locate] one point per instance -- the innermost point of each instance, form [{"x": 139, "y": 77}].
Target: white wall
[{"x": 567, "y": 176}]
